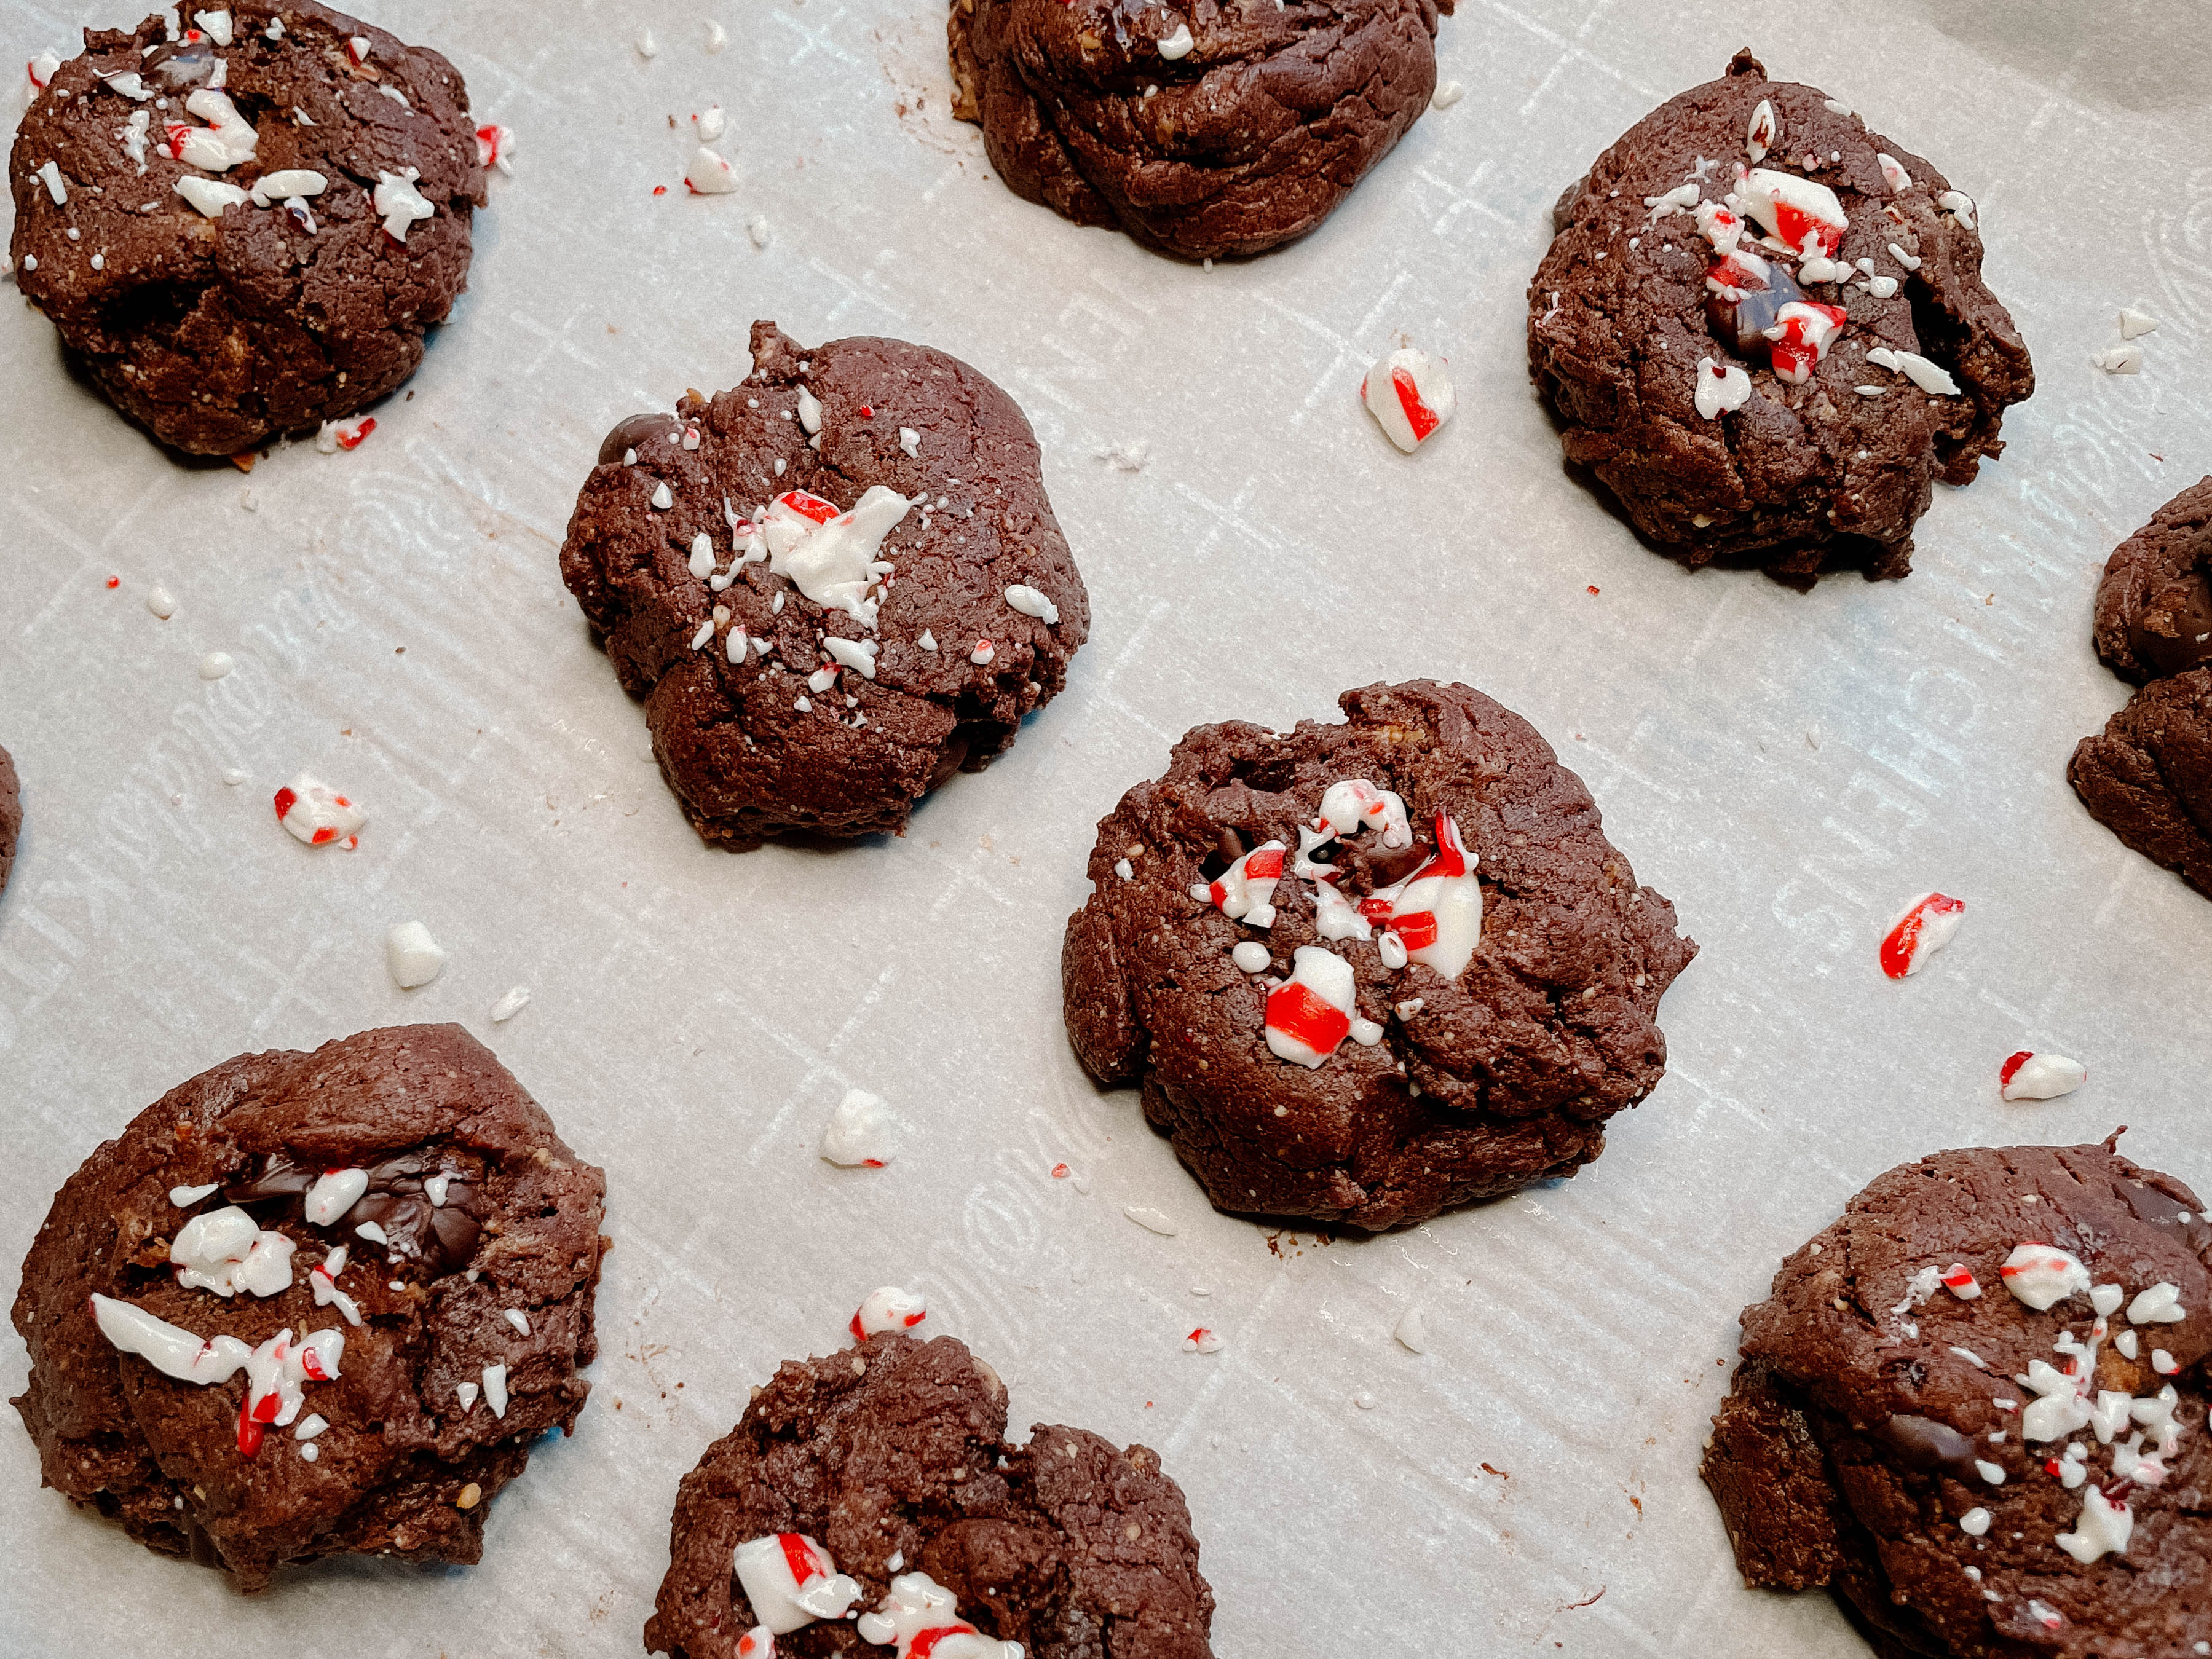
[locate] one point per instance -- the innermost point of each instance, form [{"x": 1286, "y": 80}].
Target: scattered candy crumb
[
  {"x": 1201, "y": 1341},
  {"x": 215, "y": 665},
  {"x": 887, "y": 1309},
  {"x": 1151, "y": 1220},
  {"x": 161, "y": 602},
  {"x": 1412, "y": 1331},
  {"x": 510, "y": 1005},
  {"x": 860, "y": 1133},
  {"x": 2030, "y": 1076},
  {"x": 317, "y": 814},
  {"x": 413, "y": 955},
  {"x": 1924, "y": 927}
]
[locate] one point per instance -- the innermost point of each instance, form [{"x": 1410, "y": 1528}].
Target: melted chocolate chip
[
  {"x": 2173, "y": 632},
  {"x": 1924, "y": 1444},
  {"x": 1742, "y": 324},
  {"x": 633, "y": 433},
  {"x": 442, "y": 1237},
  {"x": 180, "y": 65}
]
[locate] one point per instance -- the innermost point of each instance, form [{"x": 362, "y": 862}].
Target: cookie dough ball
[
  {"x": 851, "y": 1477},
  {"x": 1366, "y": 971},
  {"x": 11, "y": 816},
  {"x": 1762, "y": 325},
  {"x": 243, "y": 231},
  {"x": 2154, "y": 604},
  {"x": 833, "y": 586},
  {"x": 1974, "y": 1406},
  {"x": 1224, "y": 129},
  {"x": 312, "y": 1304},
  {"x": 2147, "y": 775}
]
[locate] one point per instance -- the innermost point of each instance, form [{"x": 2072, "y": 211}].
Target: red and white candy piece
[
  {"x": 358, "y": 46},
  {"x": 1351, "y": 804},
  {"x": 494, "y": 145},
  {"x": 274, "y": 1370},
  {"x": 2030, "y": 1076},
  {"x": 860, "y": 1133},
  {"x": 2039, "y": 1274},
  {"x": 226, "y": 1251},
  {"x": 317, "y": 814},
  {"x": 228, "y": 139},
  {"x": 1201, "y": 1341},
  {"x": 1765, "y": 133},
  {"x": 758, "y": 1643},
  {"x": 1410, "y": 395},
  {"x": 832, "y": 557},
  {"x": 323, "y": 1281},
  {"x": 1802, "y": 335},
  {"x": 792, "y": 1581},
  {"x": 1245, "y": 892},
  {"x": 1959, "y": 1280},
  {"x": 1311, "y": 1013},
  {"x": 2102, "y": 1527},
  {"x": 1923, "y": 928},
  {"x": 1801, "y": 216},
  {"x": 920, "y": 1619},
  {"x": 344, "y": 434},
  {"x": 1437, "y": 912},
  {"x": 887, "y": 1309},
  {"x": 40, "y": 73},
  {"x": 708, "y": 175},
  {"x": 1721, "y": 387},
  {"x": 399, "y": 203},
  {"x": 334, "y": 1193}
]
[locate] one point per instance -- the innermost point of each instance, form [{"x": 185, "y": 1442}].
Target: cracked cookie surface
[
  {"x": 1458, "y": 1087},
  {"x": 216, "y": 334}
]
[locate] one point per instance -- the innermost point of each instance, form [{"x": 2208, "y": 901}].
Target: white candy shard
[
  {"x": 1031, "y": 603},
  {"x": 1152, "y": 1221},
  {"x": 210, "y": 196},
  {"x": 226, "y": 1251},
  {"x": 1975, "y": 1522},
  {"x": 834, "y": 558},
  {"x": 2134, "y": 323},
  {"x": 709, "y": 174},
  {"x": 288, "y": 183},
  {"x": 887, "y": 1308},
  {"x": 1801, "y": 216},
  {"x": 510, "y": 1005},
  {"x": 712, "y": 122},
  {"x": 2103, "y": 1526},
  {"x": 2041, "y": 1274},
  {"x": 1893, "y": 173},
  {"x": 216, "y": 24},
  {"x": 1764, "y": 131},
  {"x": 792, "y": 1581},
  {"x": 911, "y": 441},
  {"x": 467, "y": 1393},
  {"x": 2041, "y": 1076},
  {"x": 413, "y": 955},
  {"x": 860, "y": 1133},
  {"x": 859, "y": 655},
  {"x": 184, "y": 1197},
  {"x": 810, "y": 412},
  {"x": 227, "y": 140},
  {"x": 758, "y": 231},
  {"x": 1437, "y": 912},
  {"x": 1249, "y": 955},
  {"x": 1178, "y": 44},
  {"x": 323, "y": 1281},
  {"x": 1410, "y": 395},
  {"x": 49, "y": 174},
  {"x": 1721, "y": 387},
  {"x": 1447, "y": 94},
  {"x": 2158, "y": 1305},
  {"x": 216, "y": 665},
  {"x": 1412, "y": 1331},
  {"x": 717, "y": 38},
  {"x": 334, "y": 1193},
  {"x": 2120, "y": 360},
  {"x": 399, "y": 203},
  {"x": 494, "y": 1389},
  {"x": 516, "y": 1317},
  {"x": 1958, "y": 203}
]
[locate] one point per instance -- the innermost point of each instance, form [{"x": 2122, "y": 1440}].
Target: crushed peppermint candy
[
  {"x": 1152, "y": 1221},
  {"x": 861, "y": 1134},
  {"x": 274, "y": 1370},
  {"x": 50, "y": 173},
  {"x": 792, "y": 1581},
  {"x": 1178, "y": 44},
  {"x": 210, "y": 197},
  {"x": 1249, "y": 955},
  {"x": 184, "y": 1197},
  {"x": 1410, "y": 395},
  {"x": 1932, "y": 378},
  {"x": 1925, "y": 926},
  {"x": 414, "y": 958},
  {"x": 2134, "y": 323},
  {"x": 494, "y": 144},
  {"x": 709, "y": 174},
  {"x": 1201, "y": 1341},
  {"x": 1436, "y": 913},
  {"x": 2030, "y": 1076},
  {"x": 317, "y": 814},
  {"x": 494, "y": 1389},
  {"x": 1959, "y": 1280},
  {"x": 399, "y": 203},
  {"x": 1765, "y": 133},
  {"x": 226, "y": 1251},
  {"x": 1720, "y": 387},
  {"x": 2103, "y": 1526},
  {"x": 919, "y": 1619},
  {"x": 2158, "y": 1305},
  {"x": 1412, "y": 1331},
  {"x": 1311, "y": 1013},
  {"x": 1031, "y": 603},
  {"x": 887, "y": 1308},
  {"x": 518, "y": 1318},
  {"x": 983, "y": 654},
  {"x": 1245, "y": 892},
  {"x": 1801, "y": 216},
  {"x": 2120, "y": 360},
  {"x": 348, "y": 435},
  {"x": 2040, "y": 1274}
]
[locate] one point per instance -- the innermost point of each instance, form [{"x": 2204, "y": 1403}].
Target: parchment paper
[{"x": 1788, "y": 768}]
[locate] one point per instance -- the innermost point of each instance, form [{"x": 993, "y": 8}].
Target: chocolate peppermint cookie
[
  {"x": 11, "y": 814},
  {"x": 1974, "y": 1409},
  {"x": 2147, "y": 775},
  {"x": 1212, "y": 129},
  {"x": 877, "y": 1486},
  {"x": 313, "y": 1304},
  {"x": 1364, "y": 972},
  {"x": 1762, "y": 325},
  {"x": 2154, "y": 604},
  {"x": 242, "y": 221},
  {"x": 833, "y": 586}
]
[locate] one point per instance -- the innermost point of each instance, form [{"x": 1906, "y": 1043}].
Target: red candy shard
[
  {"x": 286, "y": 800},
  {"x": 1418, "y": 929},
  {"x": 1593, "y": 590},
  {"x": 1060, "y": 1172},
  {"x": 913, "y": 1320},
  {"x": 353, "y": 441},
  {"x": 808, "y": 507},
  {"x": 858, "y": 1336},
  {"x": 1418, "y": 415},
  {"x": 2013, "y": 1064},
  {"x": 326, "y": 834},
  {"x": 115, "y": 581},
  {"x": 249, "y": 1431},
  {"x": 1267, "y": 862},
  {"x": 796, "y": 1555},
  {"x": 1295, "y": 1011}
]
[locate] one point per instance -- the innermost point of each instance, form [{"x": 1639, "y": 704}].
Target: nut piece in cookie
[
  {"x": 1762, "y": 327},
  {"x": 878, "y": 1485},
  {"x": 1366, "y": 971},
  {"x": 243, "y": 227},
  {"x": 2154, "y": 604},
  {"x": 1974, "y": 1409},
  {"x": 1228, "y": 131},
  {"x": 2147, "y": 775},
  {"x": 313, "y": 1304},
  {"x": 11, "y": 816},
  {"x": 833, "y": 585}
]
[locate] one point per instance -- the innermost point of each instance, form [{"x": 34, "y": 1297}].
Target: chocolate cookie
[
  {"x": 833, "y": 586},
  {"x": 1225, "y": 129},
  {"x": 11, "y": 816},
  {"x": 245, "y": 227},
  {"x": 2154, "y": 604},
  {"x": 1974, "y": 1409},
  {"x": 313, "y": 1304},
  {"x": 2147, "y": 775},
  {"x": 1426, "y": 881},
  {"x": 878, "y": 1484},
  {"x": 1762, "y": 325}
]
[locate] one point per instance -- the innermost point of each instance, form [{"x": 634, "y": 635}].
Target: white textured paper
[{"x": 1788, "y": 768}]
